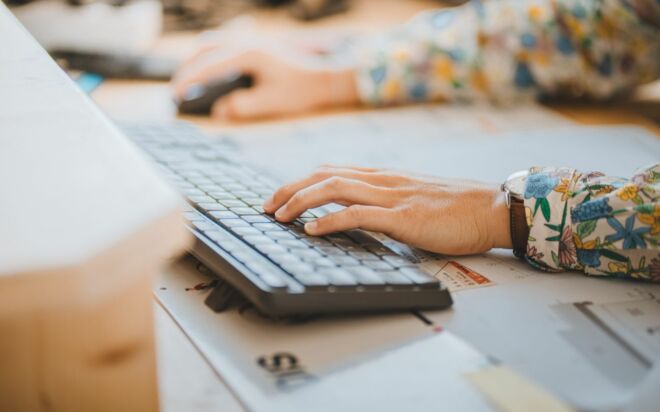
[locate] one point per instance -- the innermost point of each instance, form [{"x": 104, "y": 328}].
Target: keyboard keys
[
  {"x": 419, "y": 277},
  {"x": 312, "y": 279},
  {"x": 394, "y": 277},
  {"x": 259, "y": 240},
  {"x": 204, "y": 225},
  {"x": 293, "y": 244},
  {"x": 201, "y": 199},
  {"x": 226, "y": 205},
  {"x": 210, "y": 207},
  {"x": 256, "y": 219},
  {"x": 365, "y": 276},
  {"x": 268, "y": 227},
  {"x": 346, "y": 261},
  {"x": 223, "y": 214},
  {"x": 245, "y": 231},
  {"x": 232, "y": 203},
  {"x": 398, "y": 261},
  {"x": 378, "y": 264},
  {"x": 323, "y": 262},
  {"x": 270, "y": 248},
  {"x": 280, "y": 235},
  {"x": 232, "y": 223},
  {"x": 307, "y": 254},
  {"x": 242, "y": 211},
  {"x": 338, "y": 277}
]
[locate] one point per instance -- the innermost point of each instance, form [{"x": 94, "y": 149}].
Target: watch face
[{"x": 515, "y": 183}]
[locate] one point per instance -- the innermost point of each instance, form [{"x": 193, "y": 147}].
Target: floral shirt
[
  {"x": 505, "y": 50},
  {"x": 601, "y": 225}
]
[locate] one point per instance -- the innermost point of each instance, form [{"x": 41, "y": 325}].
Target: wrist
[{"x": 336, "y": 88}]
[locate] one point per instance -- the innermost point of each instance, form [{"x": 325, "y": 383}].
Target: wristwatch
[{"x": 513, "y": 189}]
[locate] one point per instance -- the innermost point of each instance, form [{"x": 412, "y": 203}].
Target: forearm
[{"x": 505, "y": 50}]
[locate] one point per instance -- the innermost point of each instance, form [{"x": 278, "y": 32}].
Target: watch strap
[{"x": 519, "y": 227}]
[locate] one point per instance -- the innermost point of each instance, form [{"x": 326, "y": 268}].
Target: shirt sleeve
[
  {"x": 601, "y": 225},
  {"x": 508, "y": 50}
]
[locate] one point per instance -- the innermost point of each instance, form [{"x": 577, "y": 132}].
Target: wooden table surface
[{"x": 187, "y": 382}]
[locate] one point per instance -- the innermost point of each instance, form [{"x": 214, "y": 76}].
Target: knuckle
[
  {"x": 334, "y": 183},
  {"x": 356, "y": 212}
]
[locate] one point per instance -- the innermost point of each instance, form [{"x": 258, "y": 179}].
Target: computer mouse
[{"x": 199, "y": 98}]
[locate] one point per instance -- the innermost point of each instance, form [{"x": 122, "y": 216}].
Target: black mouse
[{"x": 199, "y": 98}]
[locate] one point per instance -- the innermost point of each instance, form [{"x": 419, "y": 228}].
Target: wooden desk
[{"x": 187, "y": 382}]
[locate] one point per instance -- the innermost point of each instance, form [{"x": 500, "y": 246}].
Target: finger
[
  {"x": 284, "y": 193},
  {"x": 246, "y": 63},
  {"x": 351, "y": 167},
  {"x": 242, "y": 104},
  {"x": 334, "y": 190},
  {"x": 373, "y": 218}
]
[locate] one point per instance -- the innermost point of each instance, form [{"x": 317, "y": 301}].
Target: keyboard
[{"x": 277, "y": 266}]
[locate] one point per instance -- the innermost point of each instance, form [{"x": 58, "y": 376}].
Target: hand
[
  {"x": 447, "y": 216},
  {"x": 282, "y": 85}
]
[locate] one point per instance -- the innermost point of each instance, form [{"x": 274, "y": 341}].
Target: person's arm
[
  {"x": 601, "y": 225},
  {"x": 604, "y": 226},
  {"x": 504, "y": 50}
]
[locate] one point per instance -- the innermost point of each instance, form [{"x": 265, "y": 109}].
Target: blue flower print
[
  {"x": 593, "y": 209},
  {"x": 528, "y": 40},
  {"x": 523, "y": 76},
  {"x": 539, "y": 185},
  {"x": 442, "y": 19},
  {"x": 418, "y": 92},
  {"x": 589, "y": 257},
  {"x": 378, "y": 74},
  {"x": 564, "y": 45},
  {"x": 632, "y": 238}
]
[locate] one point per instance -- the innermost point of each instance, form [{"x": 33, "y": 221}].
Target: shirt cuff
[{"x": 547, "y": 194}]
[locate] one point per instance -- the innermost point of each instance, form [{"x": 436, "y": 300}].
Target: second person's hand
[
  {"x": 441, "y": 215},
  {"x": 283, "y": 85}
]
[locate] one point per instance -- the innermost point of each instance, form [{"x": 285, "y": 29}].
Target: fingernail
[
  {"x": 280, "y": 212},
  {"x": 310, "y": 227}
]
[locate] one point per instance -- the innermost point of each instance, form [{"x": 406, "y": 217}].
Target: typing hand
[
  {"x": 283, "y": 84},
  {"x": 441, "y": 215}
]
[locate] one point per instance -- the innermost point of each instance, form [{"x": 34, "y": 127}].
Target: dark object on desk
[
  {"x": 199, "y": 98},
  {"x": 277, "y": 266},
  {"x": 115, "y": 66}
]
